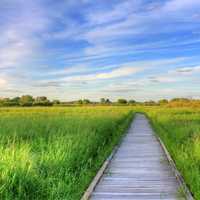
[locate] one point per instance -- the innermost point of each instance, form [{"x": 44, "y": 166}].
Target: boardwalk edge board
[
  {"x": 179, "y": 177},
  {"x": 101, "y": 171},
  {"x": 96, "y": 179}
]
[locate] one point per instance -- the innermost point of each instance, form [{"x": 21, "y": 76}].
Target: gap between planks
[{"x": 132, "y": 163}]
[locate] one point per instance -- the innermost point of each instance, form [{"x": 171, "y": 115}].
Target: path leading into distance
[{"x": 139, "y": 169}]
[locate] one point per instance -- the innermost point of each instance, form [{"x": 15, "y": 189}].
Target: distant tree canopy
[
  {"x": 150, "y": 103},
  {"x": 162, "y": 101},
  {"x": 86, "y": 101},
  {"x": 8, "y": 102},
  {"x": 15, "y": 100},
  {"x": 83, "y": 101},
  {"x": 132, "y": 101},
  {"x": 80, "y": 101},
  {"x": 108, "y": 101},
  {"x": 25, "y": 100},
  {"x": 105, "y": 101},
  {"x": 42, "y": 101},
  {"x": 56, "y": 102},
  {"x": 180, "y": 100},
  {"x": 122, "y": 101},
  {"x": 28, "y": 100},
  {"x": 102, "y": 100}
]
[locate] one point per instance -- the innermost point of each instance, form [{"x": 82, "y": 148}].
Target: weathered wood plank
[{"x": 140, "y": 169}]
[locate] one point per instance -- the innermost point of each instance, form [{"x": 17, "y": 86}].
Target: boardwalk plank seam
[
  {"x": 101, "y": 171},
  {"x": 139, "y": 168},
  {"x": 176, "y": 172}
]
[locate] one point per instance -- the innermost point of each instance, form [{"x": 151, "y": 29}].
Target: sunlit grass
[
  {"x": 179, "y": 128},
  {"x": 53, "y": 153}
]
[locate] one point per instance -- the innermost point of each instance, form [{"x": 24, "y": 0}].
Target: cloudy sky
[{"x": 71, "y": 49}]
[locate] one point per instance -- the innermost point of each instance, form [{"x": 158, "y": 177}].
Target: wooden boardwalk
[{"x": 139, "y": 169}]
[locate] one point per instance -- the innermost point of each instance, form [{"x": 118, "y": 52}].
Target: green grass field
[
  {"x": 179, "y": 128},
  {"x": 53, "y": 153}
]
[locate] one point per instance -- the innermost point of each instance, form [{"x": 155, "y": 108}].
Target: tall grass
[
  {"x": 53, "y": 153},
  {"x": 179, "y": 128}
]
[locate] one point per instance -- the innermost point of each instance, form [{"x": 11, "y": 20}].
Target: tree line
[{"x": 28, "y": 100}]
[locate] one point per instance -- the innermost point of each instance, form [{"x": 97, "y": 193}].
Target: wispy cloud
[
  {"x": 116, "y": 73},
  {"x": 89, "y": 45},
  {"x": 181, "y": 74},
  {"x": 188, "y": 70},
  {"x": 182, "y": 5},
  {"x": 18, "y": 42}
]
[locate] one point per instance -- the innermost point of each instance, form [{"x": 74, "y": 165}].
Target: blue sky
[{"x": 72, "y": 49}]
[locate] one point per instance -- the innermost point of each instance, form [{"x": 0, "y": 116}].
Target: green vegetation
[
  {"x": 179, "y": 128},
  {"x": 122, "y": 101},
  {"x": 105, "y": 101},
  {"x": 28, "y": 101},
  {"x": 53, "y": 153}
]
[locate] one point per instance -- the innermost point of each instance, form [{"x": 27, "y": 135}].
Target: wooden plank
[
  {"x": 177, "y": 173},
  {"x": 100, "y": 173},
  {"x": 97, "y": 178},
  {"x": 139, "y": 169}
]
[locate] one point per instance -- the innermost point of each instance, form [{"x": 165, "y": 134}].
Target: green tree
[
  {"x": 26, "y": 100},
  {"x": 42, "y": 101},
  {"x": 163, "y": 101},
  {"x": 86, "y": 101},
  {"x": 16, "y": 100},
  {"x": 56, "y": 102},
  {"x": 105, "y": 101},
  {"x": 132, "y": 101},
  {"x": 180, "y": 100},
  {"x": 1, "y": 102},
  {"x": 122, "y": 101},
  {"x": 108, "y": 101},
  {"x": 102, "y": 100},
  {"x": 150, "y": 103},
  {"x": 5, "y": 102},
  {"x": 80, "y": 101}
]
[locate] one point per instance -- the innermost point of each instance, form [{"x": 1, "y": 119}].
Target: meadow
[
  {"x": 53, "y": 153},
  {"x": 179, "y": 129}
]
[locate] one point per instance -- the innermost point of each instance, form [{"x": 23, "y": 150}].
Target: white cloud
[
  {"x": 14, "y": 53},
  {"x": 2, "y": 82},
  {"x": 125, "y": 69},
  {"x": 181, "y": 5},
  {"x": 92, "y": 40},
  {"x": 129, "y": 19},
  {"x": 163, "y": 79},
  {"x": 18, "y": 41},
  {"x": 87, "y": 71},
  {"x": 68, "y": 70},
  {"x": 113, "y": 14},
  {"x": 188, "y": 70},
  {"x": 120, "y": 72},
  {"x": 116, "y": 73},
  {"x": 181, "y": 74}
]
